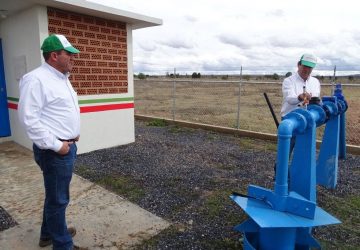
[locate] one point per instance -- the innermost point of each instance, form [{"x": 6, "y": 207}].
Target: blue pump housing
[{"x": 283, "y": 218}]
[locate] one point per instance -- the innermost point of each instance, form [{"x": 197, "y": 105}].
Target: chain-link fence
[{"x": 229, "y": 103}]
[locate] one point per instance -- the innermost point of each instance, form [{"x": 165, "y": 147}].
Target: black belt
[{"x": 68, "y": 140}]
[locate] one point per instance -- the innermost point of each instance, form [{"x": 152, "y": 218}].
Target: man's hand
[
  {"x": 304, "y": 97},
  {"x": 65, "y": 148}
]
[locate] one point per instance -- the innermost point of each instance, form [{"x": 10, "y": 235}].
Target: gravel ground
[
  {"x": 186, "y": 176},
  {"x": 6, "y": 221}
]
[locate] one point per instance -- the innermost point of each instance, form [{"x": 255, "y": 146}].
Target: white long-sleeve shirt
[
  {"x": 292, "y": 87},
  {"x": 48, "y": 107}
]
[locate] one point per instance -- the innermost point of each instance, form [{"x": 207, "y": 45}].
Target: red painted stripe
[
  {"x": 88, "y": 109},
  {"x": 12, "y": 105},
  {"x": 99, "y": 108}
]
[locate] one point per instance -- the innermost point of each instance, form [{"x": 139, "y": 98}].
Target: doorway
[{"x": 4, "y": 111}]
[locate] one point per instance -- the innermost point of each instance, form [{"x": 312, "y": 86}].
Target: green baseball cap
[
  {"x": 308, "y": 60},
  {"x": 56, "y": 42}
]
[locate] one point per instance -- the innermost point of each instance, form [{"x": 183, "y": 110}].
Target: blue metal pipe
[
  {"x": 291, "y": 123},
  {"x": 283, "y": 219},
  {"x": 342, "y": 144}
]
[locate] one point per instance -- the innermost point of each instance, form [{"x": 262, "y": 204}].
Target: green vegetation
[
  {"x": 347, "y": 210},
  {"x": 215, "y": 206},
  {"x": 84, "y": 171},
  {"x": 178, "y": 129},
  {"x": 157, "y": 123},
  {"x": 172, "y": 231},
  {"x": 255, "y": 144},
  {"x": 226, "y": 243},
  {"x": 123, "y": 186},
  {"x": 141, "y": 76}
]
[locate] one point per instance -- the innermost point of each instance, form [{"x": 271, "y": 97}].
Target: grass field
[{"x": 216, "y": 103}]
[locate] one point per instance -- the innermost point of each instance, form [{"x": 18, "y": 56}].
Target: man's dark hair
[{"x": 46, "y": 55}]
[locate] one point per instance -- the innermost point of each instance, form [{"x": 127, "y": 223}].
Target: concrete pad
[{"x": 103, "y": 219}]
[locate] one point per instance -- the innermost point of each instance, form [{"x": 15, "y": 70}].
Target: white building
[{"x": 102, "y": 75}]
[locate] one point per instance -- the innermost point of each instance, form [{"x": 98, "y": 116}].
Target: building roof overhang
[{"x": 137, "y": 21}]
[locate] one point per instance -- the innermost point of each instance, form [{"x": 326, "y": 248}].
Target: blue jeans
[{"x": 57, "y": 172}]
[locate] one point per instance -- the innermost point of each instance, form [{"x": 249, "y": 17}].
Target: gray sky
[{"x": 259, "y": 35}]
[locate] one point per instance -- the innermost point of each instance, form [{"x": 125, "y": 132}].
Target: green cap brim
[
  {"x": 72, "y": 50},
  {"x": 309, "y": 64}
]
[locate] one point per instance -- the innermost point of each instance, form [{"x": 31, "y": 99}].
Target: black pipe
[{"x": 271, "y": 110}]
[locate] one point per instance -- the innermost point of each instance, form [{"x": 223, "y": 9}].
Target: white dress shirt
[
  {"x": 292, "y": 87},
  {"x": 48, "y": 107}
]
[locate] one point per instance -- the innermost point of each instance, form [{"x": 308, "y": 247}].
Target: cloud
[
  {"x": 147, "y": 46},
  {"x": 190, "y": 19},
  {"x": 263, "y": 35},
  {"x": 276, "y": 13},
  {"x": 242, "y": 42},
  {"x": 178, "y": 43},
  {"x": 292, "y": 42}
]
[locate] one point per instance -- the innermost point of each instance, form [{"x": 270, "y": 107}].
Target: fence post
[
  {"x": 238, "y": 107},
  {"x": 174, "y": 96},
  {"x": 333, "y": 82}
]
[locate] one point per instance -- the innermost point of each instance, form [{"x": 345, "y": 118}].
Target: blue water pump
[{"x": 283, "y": 218}]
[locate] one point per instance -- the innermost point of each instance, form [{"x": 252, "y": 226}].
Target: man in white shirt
[
  {"x": 298, "y": 89},
  {"x": 48, "y": 110}
]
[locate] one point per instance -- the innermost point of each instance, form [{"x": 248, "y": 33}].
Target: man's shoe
[
  {"x": 75, "y": 247},
  {"x": 44, "y": 242}
]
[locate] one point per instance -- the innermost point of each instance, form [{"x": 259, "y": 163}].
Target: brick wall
[{"x": 101, "y": 66}]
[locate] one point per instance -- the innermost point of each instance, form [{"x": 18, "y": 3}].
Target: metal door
[{"x": 4, "y": 112}]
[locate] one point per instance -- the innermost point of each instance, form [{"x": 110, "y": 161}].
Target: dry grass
[{"x": 216, "y": 103}]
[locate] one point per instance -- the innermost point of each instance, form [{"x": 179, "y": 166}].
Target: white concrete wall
[
  {"x": 21, "y": 35},
  {"x": 109, "y": 128},
  {"x": 106, "y": 129}
]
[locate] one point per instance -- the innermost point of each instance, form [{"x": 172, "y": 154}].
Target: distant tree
[
  {"x": 141, "y": 76},
  {"x": 246, "y": 77},
  {"x": 225, "y": 77},
  {"x": 288, "y": 74},
  {"x": 268, "y": 76},
  {"x": 351, "y": 78},
  {"x": 275, "y": 76},
  {"x": 195, "y": 75}
]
